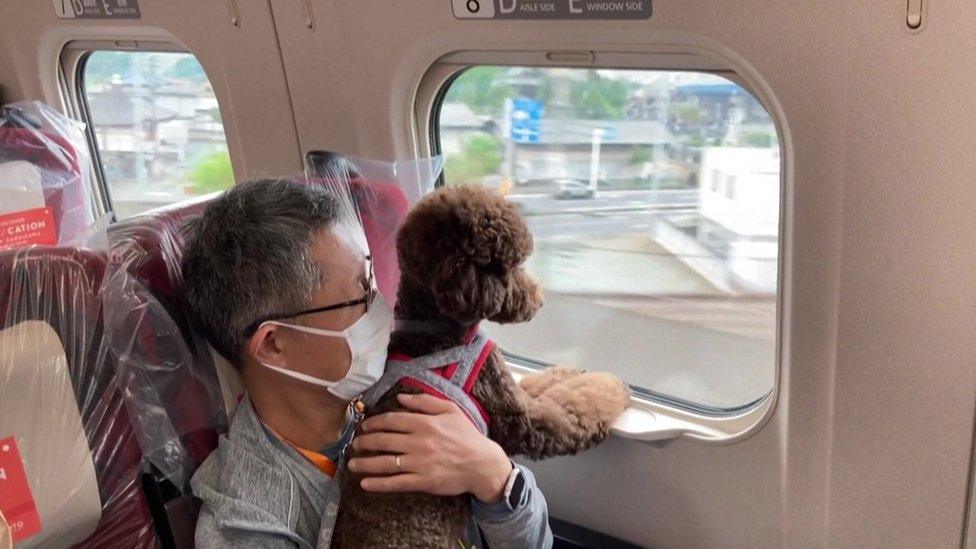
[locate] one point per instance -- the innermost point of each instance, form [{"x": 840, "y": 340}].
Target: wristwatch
[{"x": 514, "y": 488}]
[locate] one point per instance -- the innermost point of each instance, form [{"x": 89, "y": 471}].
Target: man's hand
[{"x": 441, "y": 452}]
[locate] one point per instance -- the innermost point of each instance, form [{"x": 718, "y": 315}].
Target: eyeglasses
[{"x": 366, "y": 300}]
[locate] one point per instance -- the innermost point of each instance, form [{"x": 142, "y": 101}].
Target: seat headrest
[
  {"x": 63, "y": 173},
  {"x": 152, "y": 245},
  {"x": 46, "y": 150},
  {"x": 328, "y": 164},
  {"x": 382, "y": 207},
  {"x": 46, "y": 283}
]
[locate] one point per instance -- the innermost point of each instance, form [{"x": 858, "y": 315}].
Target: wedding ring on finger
[{"x": 396, "y": 460}]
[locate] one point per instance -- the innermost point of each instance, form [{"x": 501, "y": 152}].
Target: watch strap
[{"x": 514, "y": 488}]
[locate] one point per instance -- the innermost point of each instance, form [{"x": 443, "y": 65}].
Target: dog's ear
[
  {"x": 523, "y": 299},
  {"x": 467, "y": 246},
  {"x": 469, "y": 294}
]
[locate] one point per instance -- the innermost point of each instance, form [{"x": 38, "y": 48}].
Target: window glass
[
  {"x": 158, "y": 129},
  {"x": 654, "y": 200}
]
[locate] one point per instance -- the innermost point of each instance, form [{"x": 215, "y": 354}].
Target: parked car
[{"x": 572, "y": 188}]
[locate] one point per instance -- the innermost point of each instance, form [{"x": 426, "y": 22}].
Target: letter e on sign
[{"x": 473, "y": 9}]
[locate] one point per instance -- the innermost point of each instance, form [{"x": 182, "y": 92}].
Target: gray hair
[{"x": 248, "y": 256}]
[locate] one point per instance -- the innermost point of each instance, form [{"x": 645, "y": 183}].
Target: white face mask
[{"x": 367, "y": 338}]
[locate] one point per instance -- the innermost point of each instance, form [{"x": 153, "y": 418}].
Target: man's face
[{"x": 346, "y": 279}]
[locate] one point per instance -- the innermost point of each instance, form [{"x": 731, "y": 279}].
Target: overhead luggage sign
[
  {"x": 552, "y": 9},
  {"x": 97, "y": 9}
]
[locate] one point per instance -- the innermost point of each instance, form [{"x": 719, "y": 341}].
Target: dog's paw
[
  {"x": 596, "y": 399},
  {"x": 537, "y": 384}
]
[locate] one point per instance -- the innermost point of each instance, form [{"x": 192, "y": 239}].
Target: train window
[
  {"x": 654, "y": 198},
  {"x": 157, "y": 127}
]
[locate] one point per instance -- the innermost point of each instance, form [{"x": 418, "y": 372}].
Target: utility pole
[
  {"x": 595, "y": 158},
  {"x": 509, "y": 158},
  {"x": 141, "y": 94}
]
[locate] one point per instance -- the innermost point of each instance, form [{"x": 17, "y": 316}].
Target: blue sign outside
[{"x": 526, "y": 119}]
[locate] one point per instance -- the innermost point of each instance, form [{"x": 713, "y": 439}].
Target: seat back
[
  {"x": 54, "y": 450},
  {"x": 181, "y": 405},
  {"x": 149, "y": 249},
  {"x": 62, "y": 413},
  {"x": 107, "y": 382}
]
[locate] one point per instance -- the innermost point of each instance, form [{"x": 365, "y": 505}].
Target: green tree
[
  {"x": 758, "y": 139},
  {"x": 187, "y": 68},
  {"x": 214, "y": 113},
  {"x": 544, "y": 93},
  {"x": 211, "y": 173},
  {"x": 102, "y": 65},
  {"x": 481, "y": 156},
  {"x": 481, "y": 90},
  {"x": 599, "y": 98},
  {"x": 640, "y": 154},
  {"x": 687, "y": 113},
  {"x": 487, "y": 149}
]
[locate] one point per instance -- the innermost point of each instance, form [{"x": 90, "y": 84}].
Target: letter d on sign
[{"x": 506, "y": 9}]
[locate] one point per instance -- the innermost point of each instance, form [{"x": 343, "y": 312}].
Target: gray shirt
[{"x": 258, "y": 491}]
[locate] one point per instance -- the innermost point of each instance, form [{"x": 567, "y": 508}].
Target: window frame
[
  {"x": 651, "y": 415},
  {"x": 74, "y": 58}
]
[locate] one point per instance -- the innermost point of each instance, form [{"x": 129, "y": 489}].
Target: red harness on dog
[{"x": 449, "y": 374}]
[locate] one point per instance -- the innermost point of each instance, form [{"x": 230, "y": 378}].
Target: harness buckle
[{"x": 358, "y": 408}]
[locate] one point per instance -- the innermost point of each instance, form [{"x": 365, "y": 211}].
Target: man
[{"x": 280, "y": 285}]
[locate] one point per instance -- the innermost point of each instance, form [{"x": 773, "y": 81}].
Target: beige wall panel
[{"x": 870, "y": 442}]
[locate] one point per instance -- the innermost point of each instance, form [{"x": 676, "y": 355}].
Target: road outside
[{"x": 616, "y": 300}]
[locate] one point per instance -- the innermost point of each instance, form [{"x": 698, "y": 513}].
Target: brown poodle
[{"x": 461, "y": 252}]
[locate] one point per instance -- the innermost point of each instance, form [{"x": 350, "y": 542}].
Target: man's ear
[{"x": 265, "y": 345}]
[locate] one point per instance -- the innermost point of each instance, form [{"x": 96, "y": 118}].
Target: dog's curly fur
[{"x": 461, "y": 254}]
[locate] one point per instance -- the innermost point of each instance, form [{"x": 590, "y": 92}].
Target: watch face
[{"x": 515, "y": 496}]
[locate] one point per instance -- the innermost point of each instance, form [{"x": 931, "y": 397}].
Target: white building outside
[{"x": 740, "y": 193}]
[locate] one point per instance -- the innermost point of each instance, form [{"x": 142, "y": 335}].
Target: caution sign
[
  {"x": 552, "y": 9},
  {"x": 97, "y": 9},
  {"x": 16, "y": 500}
]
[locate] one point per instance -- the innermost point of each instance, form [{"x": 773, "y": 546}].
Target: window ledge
[{"x": 647, "y": 420}]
